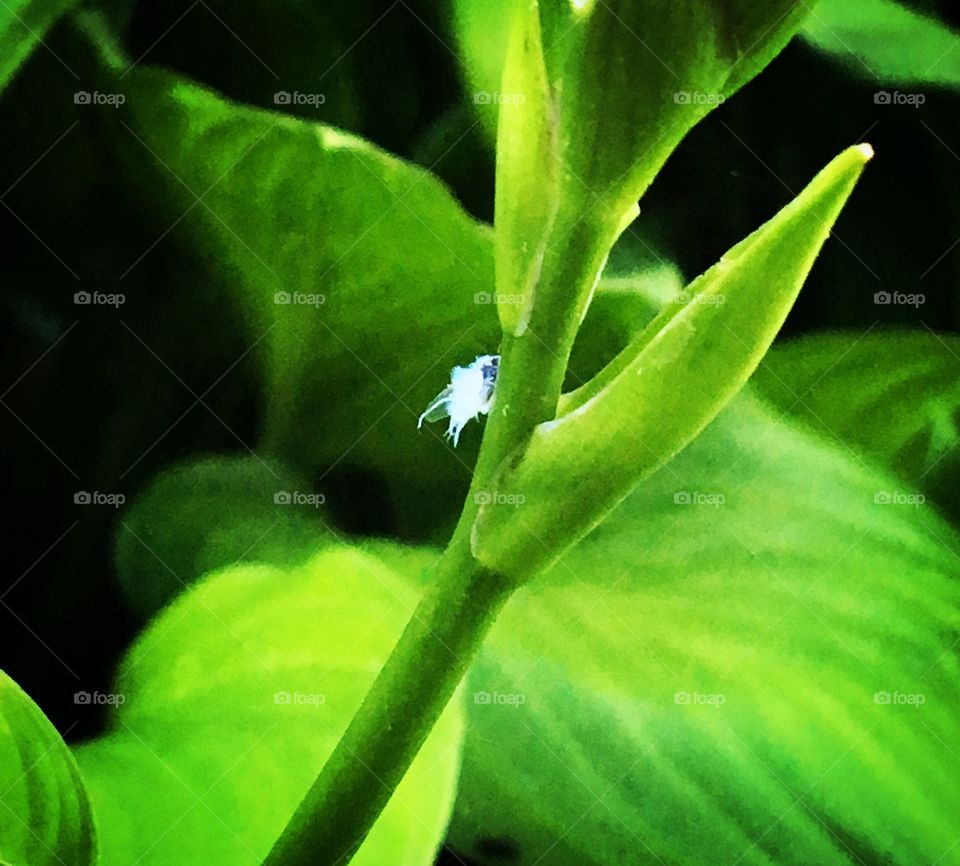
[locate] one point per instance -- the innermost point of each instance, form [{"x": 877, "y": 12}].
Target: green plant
[
  {"x": 570, "y": 169},
  {"x": 638, "y": 524}
]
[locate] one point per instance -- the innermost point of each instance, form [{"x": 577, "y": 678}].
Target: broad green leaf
[
  {"x": 211, "y": 513},
  {"x": 360, "y": 276},
  {"x": 885, "y": 40},
  {"x": 234, "y": 698},
  {"x": 23, "y": 24},
  {"x": 45, "y": 816},
  {"x": 663, "y": 388},
  {"x": 528, "y": 170},
  {"x": 729, "y": 670},
  {"x": 893, "y": 396}
]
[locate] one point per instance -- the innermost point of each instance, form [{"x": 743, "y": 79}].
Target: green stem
[
  {"x": 453, "y": 618},
  {"x": 533, "y": 365},
  {"x": 396, "y": 716}
]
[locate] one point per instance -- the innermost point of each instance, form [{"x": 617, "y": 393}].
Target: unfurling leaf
[
  {"x": 528, "y": 171},
  {"x": 664, "y": 388}
]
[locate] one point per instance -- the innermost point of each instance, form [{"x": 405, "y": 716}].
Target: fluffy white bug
[{"x": 469, "y": 394}]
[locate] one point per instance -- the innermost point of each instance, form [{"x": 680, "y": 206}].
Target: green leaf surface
[
  {"x": 385, "y": 283},
  {"x": 211, "y": 513},
  {"x": 45, "y": 816},
  {"x": 23, "y": 24},
  {"x": 705, "y": 678},
  {"x": 234, "y": 698},
  {"x": 885, "y": 40},
  {"x": 663, "y": 388},
  {"x": 892, "y": 396}
]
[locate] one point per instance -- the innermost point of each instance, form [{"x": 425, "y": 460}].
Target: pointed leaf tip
[{"x": 665, "y": 387}]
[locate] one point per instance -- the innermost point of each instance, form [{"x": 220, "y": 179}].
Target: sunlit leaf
[
  {"x": 234, "y": 698},
  {"x": 45, "y": 817},
  {"x": 885, "y": 40},
  {"x": 892, "y": 396},
  {"x": 750, "y": 661}
]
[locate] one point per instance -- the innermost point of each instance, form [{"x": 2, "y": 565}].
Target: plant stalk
[
  {"x": 396, "y": 716},
  {"x": 534, "y": 364},
  {"x": 464, "y": 598}
]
